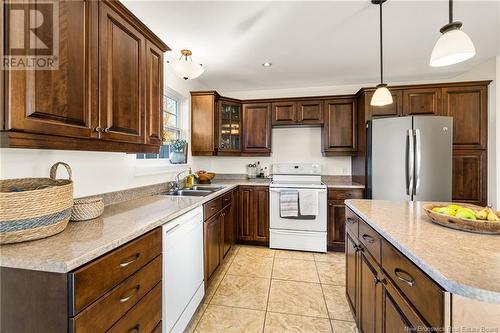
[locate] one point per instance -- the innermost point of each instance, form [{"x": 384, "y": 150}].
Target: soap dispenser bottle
[{"x": 190, "y": 179}]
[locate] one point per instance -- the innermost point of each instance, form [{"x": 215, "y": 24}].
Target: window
[{"x": 171, "y": 126}]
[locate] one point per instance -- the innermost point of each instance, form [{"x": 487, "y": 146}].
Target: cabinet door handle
[
  {"x": 368, "y": 238},
  {"x": 350, "y": 220},
  {"x": 130, "y": 260},
  {"x": 98, "y": 129},
  {"x": 375, "y": 280},
  {"x": 404, "y": 276},
  {"x": 106, "y": 130},
  {"x": 135, "y": 329},
  {"x": 131, "y": 294}
]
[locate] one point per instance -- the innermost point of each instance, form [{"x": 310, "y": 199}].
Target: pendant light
[
  {"x": 382, "y": 95},
  {"x": 185, "y": 67},
  {"x": 453, "y": 46}
]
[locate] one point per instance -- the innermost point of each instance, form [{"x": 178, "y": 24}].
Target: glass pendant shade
[
  {"x": 382, "y": 96},
  {"x": 452, "y": 47},
  {"x": 186, "y": 69}
]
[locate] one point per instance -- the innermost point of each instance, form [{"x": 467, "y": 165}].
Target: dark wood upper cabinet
[
  {"x": 122, "y": 69},
  {"x": 340, "y": 128},
  {"x": 284, "y": 113},
  {"x": 58, "y": 102},
  {"x": 391, "y": 110},
  {"x": 257, "y": 129},
  {"x": 106, "y": 93},
  {"x": 310, "y": 112},
  {"x": 469, "y": 172},
  {"x": 154, "y": 94},
  {"x": 468, "y": 107},
  {"x": 421, "y": 101},
  {"x": 229, "y": 132},
  {"x": 203, "y": 123}
]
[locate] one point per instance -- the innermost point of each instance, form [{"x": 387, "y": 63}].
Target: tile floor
[{"x": 257, "y": 289}]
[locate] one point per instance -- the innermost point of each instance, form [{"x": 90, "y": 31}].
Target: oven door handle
[{"x": 320, "y": 190}]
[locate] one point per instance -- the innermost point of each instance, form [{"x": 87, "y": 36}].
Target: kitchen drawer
[
  {"x": 425, "y": 295},
  {"x": 93, "y": 280},
  {"x": 108, "y": 309},
  {"x": 339, "y": 194},
  {"x": 370, "y": 239},
  {"x": 227, "y": 198},
  {"x": 212, "y": 207},
  {"x": 351, "y": 221},
  {"x": 143, "y": 317}
]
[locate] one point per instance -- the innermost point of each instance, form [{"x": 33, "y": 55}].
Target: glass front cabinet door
[{"x": 230, "y": 128}]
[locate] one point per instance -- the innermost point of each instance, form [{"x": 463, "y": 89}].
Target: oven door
[{"x": 318, "y": 223}]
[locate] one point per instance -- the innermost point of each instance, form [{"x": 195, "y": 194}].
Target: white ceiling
[{"x": 313, "y": 43}]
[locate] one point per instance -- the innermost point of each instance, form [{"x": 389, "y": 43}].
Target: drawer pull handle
[
  {"x": 350, "y": 220},
  {"x": 132, "y": 293},
  {"x": 130, "y": 260},
  {"x": 212, "y": 208},
  {"x": 135, "y": 329},
  {"x": 408, "y": 279},
  {"x": 375, "y": 280},
  {"x": 368, "y": 238}
]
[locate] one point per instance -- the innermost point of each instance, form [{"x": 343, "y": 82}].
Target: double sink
[{"x": 195, "y": 191}]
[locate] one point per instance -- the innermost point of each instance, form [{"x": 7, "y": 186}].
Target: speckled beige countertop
[
  {"x": 463, "y": 263},
  {"x": 341, "y": 182},
  {"x": 84, "y": 241}
]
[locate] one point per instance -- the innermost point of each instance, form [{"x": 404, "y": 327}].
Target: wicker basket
[
  {"x": 33, "y": 208},
  {"x": 87, "y": 209}
]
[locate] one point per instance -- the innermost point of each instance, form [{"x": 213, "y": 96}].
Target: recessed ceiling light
[{"x": 267, "y": 64}]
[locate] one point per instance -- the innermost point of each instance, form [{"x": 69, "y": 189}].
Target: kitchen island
[{"x": 402, "y": 270}]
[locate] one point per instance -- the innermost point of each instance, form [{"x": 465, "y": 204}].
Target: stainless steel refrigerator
[{"x": 409, "y": 158}]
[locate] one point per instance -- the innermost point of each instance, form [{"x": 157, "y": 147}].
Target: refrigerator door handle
[
  {"x": 418, "y": 160},
  {"x": 409, "y": 162}
]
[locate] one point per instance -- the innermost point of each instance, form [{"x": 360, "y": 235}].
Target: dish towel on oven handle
[
  {"x": 308, "y": 202},
  {"x": 289, "y": 203}
]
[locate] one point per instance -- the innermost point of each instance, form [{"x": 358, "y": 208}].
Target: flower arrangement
[{"x": 178, "y": 145}]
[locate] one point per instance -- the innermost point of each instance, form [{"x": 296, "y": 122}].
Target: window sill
[{"x": 157, "y": 167}]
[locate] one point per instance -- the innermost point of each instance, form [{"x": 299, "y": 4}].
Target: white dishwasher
[{"x": 183, "y": 287}]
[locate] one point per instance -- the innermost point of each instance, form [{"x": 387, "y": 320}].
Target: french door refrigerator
[{"x": 409, "y": 158}]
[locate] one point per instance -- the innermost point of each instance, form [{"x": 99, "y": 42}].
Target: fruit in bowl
[{"x": 485, "y": 214}]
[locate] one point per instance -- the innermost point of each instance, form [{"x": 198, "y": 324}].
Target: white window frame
[{"x": 153, "y": 166}]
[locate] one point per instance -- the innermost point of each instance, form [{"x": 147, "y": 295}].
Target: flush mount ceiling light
[
  {"x": 453, "y": 46},
  {"x": 382, "y": 95},
  {"x": 267, "y": 64},
  {"x": 185, "y": 67}
]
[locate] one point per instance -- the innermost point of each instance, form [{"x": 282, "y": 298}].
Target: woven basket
[
  {"x": 87, "y": 209},
  {"x": 33, "y": 208}
]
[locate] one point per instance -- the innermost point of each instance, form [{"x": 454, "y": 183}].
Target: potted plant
[{"x": 177, "y": 148}]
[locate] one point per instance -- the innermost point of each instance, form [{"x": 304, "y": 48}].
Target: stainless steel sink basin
[{"x": 195, "y": 191}]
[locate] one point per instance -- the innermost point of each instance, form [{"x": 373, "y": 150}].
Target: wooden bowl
[
  {"x": 205, "y": 177},
  {"x": 477, "y": 226}
]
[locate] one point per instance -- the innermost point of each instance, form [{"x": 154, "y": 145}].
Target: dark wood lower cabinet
[
  {"x": 336, "y": 216},
  {"x": 117, "y": 292},
  {"x": 212, "y": 236},
  {"x": 253, "y": 221},
  {"x": 392, "y": 296}
]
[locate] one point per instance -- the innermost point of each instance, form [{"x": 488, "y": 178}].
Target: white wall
[{"x": 97, "y": 172}]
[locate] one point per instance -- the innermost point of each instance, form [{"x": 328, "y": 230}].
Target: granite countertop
[
  {"x": 81, "y": 242},
  {"x": 341, "y": 182},
  {"x": 463, "y": 263}
]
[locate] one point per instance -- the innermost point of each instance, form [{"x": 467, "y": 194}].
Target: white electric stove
[{"x": 305, "y": 233}]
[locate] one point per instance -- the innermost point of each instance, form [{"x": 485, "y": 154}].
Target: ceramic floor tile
[
  {"x": 300, "y": 298},
  {"x": 242, "y": 291},
  {"x": 286, "y": 323},
  {"x": 336, "y": 301},
  {"x": 218, "y": 319},
  {"x": 196, "y": 318},
  {"x": 251, "y": 266},
  {"x": 335, "y": 257},
  {"x": 215, "y": 280},
  {"x": 294, "y": 255},
  {"x": 256, "y": 251},
  {"x": 331, "y": 273},
  {"x": 295, "y": 270},
  {"x": 344, "y": 327}
]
